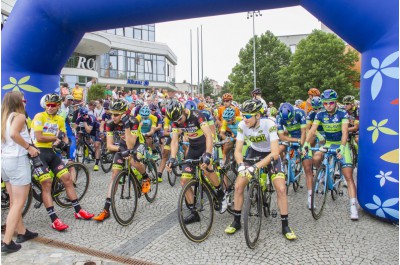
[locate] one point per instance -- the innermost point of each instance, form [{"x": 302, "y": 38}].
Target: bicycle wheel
[
  {"x": 124, "y": 197},
  {"x": 297, "y": 173},
  {"x": 171, "y": 178},
  {"x": 230, "y": 200},
  {"x": 179, "y": 158},
  {"x": 202, "y": 205},
  {"x": 252, "y": 215},
  {"x": 319, "y": 192},
  {"x": 268, "y": 198},
  {"x": 151, "y": 170},
  {"x": 80, "y": 152},
  {"x": 80, "y": 178},
  {"x": 106, "y": 159},
  {"x": 286, "y": 168}
]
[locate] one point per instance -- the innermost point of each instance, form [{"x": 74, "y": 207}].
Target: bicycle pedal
[{"x": 37, "y": 205}]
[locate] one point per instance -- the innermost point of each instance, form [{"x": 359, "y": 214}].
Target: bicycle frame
[
  {"x": 329, "y": 161},
  {"x": 291, "y": 174}
]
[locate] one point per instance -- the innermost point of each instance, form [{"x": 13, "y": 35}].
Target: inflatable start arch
[{"x": 40, "y": 36}]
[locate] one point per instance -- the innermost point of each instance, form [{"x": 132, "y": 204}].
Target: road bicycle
[
  {"x": 177, "y": 171},
  {"x": 292, "y": 166},
  {"x": 260, "y": 197},
  {"x": 205, "y": 201},
  {"x": 329, "y": 177},
  {"x": 106, "y": 158},
  {"x": 127, "y": 189}
]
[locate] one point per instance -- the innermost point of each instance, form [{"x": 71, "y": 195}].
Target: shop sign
[{"x": 138, "y": 82}]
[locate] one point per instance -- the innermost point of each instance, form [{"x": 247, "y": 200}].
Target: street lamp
[{"x": 253, "y": 14}]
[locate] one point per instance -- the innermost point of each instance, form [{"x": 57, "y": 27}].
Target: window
[
  {"x": 119, "y": 32},
  {"x": 112, "y": 31},
  {"x": 137, "y": 34},
  {"x": 151, "y": 36},
  {"x": 129, "y": 32},
  {"x": 148, "y": 68}
]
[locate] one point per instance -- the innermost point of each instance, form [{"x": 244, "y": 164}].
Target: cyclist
[
  {"x": 256, "y": 94},
  {"x": 49, "y": 130},
  {"x": 294, "y": 121},
  {"x": 229, "y": 127},
  {"x": 123, "y": 135},
  {"x": 335, "y": 123},
  {"x": 227, "y": 99},
  {"x": 193, "y": 124},
  {"x": 105, "y": 118},
  {"x": 264, "y": 143},
  {"x": 354, "y": 114},
  {"x": 272, "y": 113},
  {"x": 207, "y": 114},
  {"x": 306, "y": 105},
  {"x": 88, "y": 124},
  {"x": 166, "y": 134},
  {"x": 316, "y": 103},
  {"x": 148, "y": 125}
]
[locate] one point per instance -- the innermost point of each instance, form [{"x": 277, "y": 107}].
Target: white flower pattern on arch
[{"x": 385, "y": 176}]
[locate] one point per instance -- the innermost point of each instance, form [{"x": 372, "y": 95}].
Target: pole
[
  {"x": 198, "y": 63},
  {"x": 202, "y": 79},
  {"x": 254, "y": 51},
  {"x": 191, "y": 65}
]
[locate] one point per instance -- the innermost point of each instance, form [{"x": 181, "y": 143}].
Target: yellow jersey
[{"x": 49, "y": 125}]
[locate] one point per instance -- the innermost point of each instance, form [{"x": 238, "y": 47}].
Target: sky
[{"x": 224, "y": 36}]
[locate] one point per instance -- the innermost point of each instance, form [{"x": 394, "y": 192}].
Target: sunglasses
[
  {"x": 317, "y": 108},
  {"x": 248, "y": 116},
  {"x": 227, "y": 101},
  {"x": 347, "y": 104},
  {"x": 24, "y": 101},
  {"x": 116, "y": 115},
  {"x": 331, "y": 103},
  {"x": 51, "y": 105}
]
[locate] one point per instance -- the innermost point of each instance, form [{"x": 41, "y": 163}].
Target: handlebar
[
  {"x": 285, "y": 143},
  {"x": 324, "y": 150},
  {"x": 189, "y": 161}
]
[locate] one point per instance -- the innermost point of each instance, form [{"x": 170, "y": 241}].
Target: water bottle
[
  {"x": 137, "y": 173},
  {"x": 263, "y": 180}
]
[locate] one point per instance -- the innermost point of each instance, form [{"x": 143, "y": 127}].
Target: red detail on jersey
[
  {"x": 135, "y": 126},
  {"x": 60, "y": 167},
  {"x": 191, "y": 135},
  {"x": 200, "y": 120},
  {"x": 187, "y": 169}
]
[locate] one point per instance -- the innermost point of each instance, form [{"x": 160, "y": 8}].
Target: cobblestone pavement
[{"x": 155, "y": 235}]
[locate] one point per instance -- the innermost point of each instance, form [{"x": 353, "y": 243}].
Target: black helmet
[
  {"x": 174, "y": 110},
  {"x": 252, "y": 106},
  {"x": 118, "y": 106},
  {"x": 54, "y": 98},
  {"x": 256, "y": 91}
]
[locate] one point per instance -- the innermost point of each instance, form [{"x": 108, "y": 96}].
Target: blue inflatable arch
[{"x": 40, "y": 36}]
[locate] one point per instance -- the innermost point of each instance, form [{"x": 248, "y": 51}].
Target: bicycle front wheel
[
  {"x": 80, "y": 152},
  {"x": 80, "y": 179},
  {"x": 201, "y": 206},
  {"x": 252, "y": 215},
  {"x": 171, "y": 178},
  {"x": 106, "y": 159},
  {"x": 319, "y": 192},
  {"x": 151, "y": 170},
  {"x": 124, "y": 197}
]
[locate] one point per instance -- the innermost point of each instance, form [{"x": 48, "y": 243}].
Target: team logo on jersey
[
  {"x": 272, "y": 129},
  {"x": 335, "y": 119},
  {"x": 201, "y": 120},
  {"x": 260, "y": 131},
  {"x": 259, "y": 138},
  {"x": 240, "y": 130}
]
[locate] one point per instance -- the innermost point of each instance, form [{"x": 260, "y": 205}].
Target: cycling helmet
[
  {"x": 201, "y": 106},
  {"x": 144, "y": 111},
  {"x": 119, "y": 106},
  {"x": 252, "y": 106},
  {"x": 228, "y": 114},
  {"x": 174, "y": 110},
  {"x": 83, "y": 111},
  {"x": 52, "y": 98},
  {"x": 286, "y": 112},
  {"x": 139, "y": 102},
  {"x": 190, "y": 105},
  {"x": 163, "y": 112},
  {"x": 227, "y": 96},
  {"x": 314, "y": 92},
  {"x": 298, "y": 102},
  {"x": 316, "y": 102},
  {"x": 153, "y": 106},
  {"x": 256, "y": 91},
  {"x": 348, "y": 99},
  {"x": 273, "y": 111},
  {"x": 42, "y": 102},
  {"x": 329, "y": 95},
  {"x": 234, "y": 103}
]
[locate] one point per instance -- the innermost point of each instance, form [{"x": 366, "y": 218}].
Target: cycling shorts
[
  {"x": 346, "y": 157},
  {"x": 274, "y": 172},
  {"x": 194, "y": 152},
  {"x": 167, "y": 143},
  {"x": 51, "y": 161}
]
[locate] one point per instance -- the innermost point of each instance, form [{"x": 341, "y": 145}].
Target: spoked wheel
[
  {"x": 297, "y": 171},
  {"x": 319, "y": 192},
  {"x": 171, "y": 178},
  {"x": 178, "y": 170},
  {"x": 269, "y": 197},
  {"x": 80, "y": 179},
  {"x": 252, "y": 215},
  {"x": 286, "y": 168},
  {"x": 151, "y": 170},
  {"x": 79, "y": 152},
  {"x": 337, "y": 189},
  {"x": 106, "y": 159},
  {"x": 124, "y": 197},
  {"x": 201, "y": 207}
]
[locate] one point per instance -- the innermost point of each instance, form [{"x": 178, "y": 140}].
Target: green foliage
[
  {"x": 96, "y": 92},
  {"x": 208, "y": 88},
  {"x": 320, "y": 61},
  {"x": 271, "y": 56}
]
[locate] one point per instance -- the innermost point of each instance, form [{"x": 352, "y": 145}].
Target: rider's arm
[
  {"x": 355, "y": 127},
  {"x": 110, "y": 143},
  {"x": 345, "y": 131},
  {"x": 88, "y": 128},
  {"x": 102, "y": 126},
  {"x": 274, "y": 153},
  {"x": 174, "y": 142},
  {"x": 312, "y": 131},
  {"x": 222, "y": 130},
  {"x": 209, "y": 138},
  {"x": 238, "y": 152},
  {"x": 303, "y": 136}
]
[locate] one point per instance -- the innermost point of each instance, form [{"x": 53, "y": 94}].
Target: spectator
[
  {"x": 91, "y": 106},
  {"x": 15, "y": 167},
  {"x": 128, "y": 96},
  {"x": 270, "y": 105},
  {"x": 68, "y": 100},
  {"x": 114, "y": 93},
  {"x": 77, "y": 93},
  {"x": 88, "y": 86},
  {"x": 99, "y": 110},
  {"x": 64, "y": 90},
  {"x": 134, "y": 95},
  {"x": 108, "y": 92}
]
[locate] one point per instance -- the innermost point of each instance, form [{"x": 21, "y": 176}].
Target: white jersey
[{"x": 260, "y": 137}]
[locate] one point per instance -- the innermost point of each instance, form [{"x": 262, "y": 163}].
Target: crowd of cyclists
[{"x": 131, "y": 128}]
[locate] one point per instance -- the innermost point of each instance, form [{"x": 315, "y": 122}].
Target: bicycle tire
[
  {"x": 203, "y": 201},
  {"x": 107, "y": 157},
  {"x": 319, "y": 192},
  {"x": 230, "y": 200},
  {"x": 252, "y": 213},
  {"x": 80, "y": 152},
  {"x": 123, "y": 189},
  {"x": 80, "y": 181},
  {"x": 296, "y": 183},
  {"x": 267, "y": 199},
  {"x": 151, "y": 169},
  {"x": 286, "y": 168},
  {"x": 178, "y": 170},
  {"x": 336, "y": 189},
  {"x": 171, "y": 178}
]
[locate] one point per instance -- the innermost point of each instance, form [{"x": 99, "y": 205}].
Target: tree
[
  {"x": 208, "y": 87},
  {"x": 271, "y": 56},
  {"x": 320, "y": 61},
  {"x": 96, "y": 92}
]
